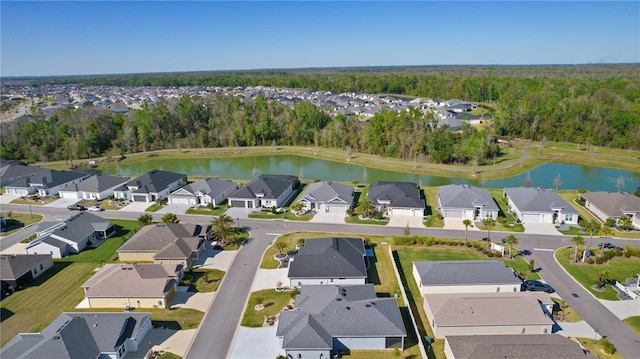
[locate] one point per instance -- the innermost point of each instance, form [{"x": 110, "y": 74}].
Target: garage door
[
  {"x": 139, "y": 198},
  {"x": 182, "y": 200},
  {"x": 239, "y": 204},
  {"x": 531, "y": 218},
  {"x": 401, "y": 212},
  {"x": 336, "y": 209},
  {"x": 453, "y": 213},
  {"x": 73, "y": 195}
]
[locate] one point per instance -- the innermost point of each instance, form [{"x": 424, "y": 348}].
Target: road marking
[
  {"x": 273, "y": 234},
  {"x": 544, "y": 249}
]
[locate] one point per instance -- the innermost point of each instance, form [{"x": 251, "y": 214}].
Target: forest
[{"x": 597, "y": 105}]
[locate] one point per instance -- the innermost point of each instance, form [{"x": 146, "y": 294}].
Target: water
[{"x": 244, "y": 168}]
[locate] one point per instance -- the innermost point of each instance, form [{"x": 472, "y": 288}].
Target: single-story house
[
  {"x": 489, "y": 313},
  {"x": 265, "y": 191},
  {"x": 96, "y": 187},
  {"x": 83, "y": 335},
  {"x": 133, "y": 285},
  {"x": 328, "y": 261},
  {"x": 397, "y": 198},
  {"x": 538, "y": 205},
  {"x": 45, "y": 183},
  {"x": 513, "y": 346},
  {"x": 151, "y": 186},
  {"x": 13, "y": 171},
  {"x": 485, "y": 276},
  {"x": 18, "y": 270},
  {"x": 458, "y": 105},
  {"x": 466, "y": 202},
  {"x": 330, "y": 318},
  {"x": 605, "y": 205},
  {"x": 203, "y": 192},
  {"x": 328, "y": 197},
  {"x": 166, "y": 243},
  {"x": 71, "y": 235}
]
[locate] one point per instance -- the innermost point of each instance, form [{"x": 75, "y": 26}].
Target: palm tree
[
  {"x": 296, "y": 207},
  {"x": 170, "y": 218},
  {"x": 222, "y": 228},
  {"x": 145, "y": 219},
  {"x": 467, "y": 223},
  {"x": 280, "y": 246},
  {"x": 511, "y": 240},
  {"x": 578, "y": 241},
  {"x": 489, "y": 222},
  {"x": 367, "y": 209},
  {"x": 591, "y": 226},
  {"x": 606, "y": 232},
  {"x": 625, "y": 222},
  {"x": 604, "y": 277}
]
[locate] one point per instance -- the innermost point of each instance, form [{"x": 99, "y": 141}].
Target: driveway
[
  {"x": 541, "y": 228},
  {"x": 136, "y": 207},
  {"x": 192, "y": 300},
  {"x": 62, "y": 202},
  {"x": 215, "y": 259},
  {"x": 456, "y": 223},
  {"x": 329, "y": 217},
  {"x": 7, "y": 198},
  {"x": 403, "y": 221},
  {"x": 269, "y": 278},
  {"x": 235, "y": 212},
  {"x": 175, "y": 208},
  {"x": 256, "y": 343}
]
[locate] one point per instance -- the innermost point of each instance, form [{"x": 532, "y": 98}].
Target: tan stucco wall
[
  {"x": 441, "y": 332},
  {"x": 123, "y": 302}
]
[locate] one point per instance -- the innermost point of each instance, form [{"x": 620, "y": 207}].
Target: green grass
[
  {"x": 282, "y": 215},
  {"x": 156, "y": 206},
  {"x": 587, "y": 274},
  {"x": 380, "y": 272},
  {"x": 273, "y": 302},
  {"x": 216, "y": 211},
  {"x": 357, "y": 220},
  {"x": 574, "y": 231},
  {"x": 106, "y": 252},
  {"x": 168, "y": 355},
  {"x": 38, "y": 202},
  {"x": 520, "y": 265},
  {"x": 18, "y": 220},
  {"x": 431, "y": 197},
  {"x": 595, "y": 348},
  {"x": 566, "y": 315},
  {"x": 633, "y": 323},
  {"x": 203, "y": 280}
]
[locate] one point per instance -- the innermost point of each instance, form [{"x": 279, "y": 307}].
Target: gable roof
[
  {"x": 613, "y": 204},
  {"x": 270, "y": 186},
  {"x": 14, "y": 266},
  {"x": 465, "y": 196},
  {"x": 209, "y": 186},
  {"x": 435, "y": 273},
  {"x": 326, "y": 311},
  {"x": 132, "y": 280},
  {"x": 329, "y": 258},
  {"x": 532, "y": 346},
  {"x": 80, "y": 226},
  {"x": 47, "y": 179},
  {"x": 155, "y": 181},
  {"x": 167, "y": 240},
  {"x": 15, "y": 170},
  {"x": 77, "y": 335},
  {"x": 536, "y": 199},
  {"x": 99, "y": 183},
  {"x": 323, "y": 192},
  {"x": 398, "y": 194}
]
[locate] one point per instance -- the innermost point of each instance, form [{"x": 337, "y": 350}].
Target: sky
[{"x": 106, "y": 37}]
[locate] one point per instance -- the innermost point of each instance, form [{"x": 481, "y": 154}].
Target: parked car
[
  {"x": 96, "y": 209},
  {"x": 537, "y": 286},
  {"x": 613, "y": 247},
  {"x": 76, "y": 207}
]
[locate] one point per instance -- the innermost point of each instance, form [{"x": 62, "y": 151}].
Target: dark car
[
  {"x": 536, "y": 286},
  {"x": 612, "y": 247},
  {"x": 76, "y": 207}
]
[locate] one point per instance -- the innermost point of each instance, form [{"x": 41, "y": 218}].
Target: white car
[{"x": 96, "y": 209}]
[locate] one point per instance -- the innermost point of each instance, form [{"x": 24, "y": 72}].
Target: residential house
[
  {"x": 45, "y": 183},
  {"x": 19, "y": 270},
  {"x": 466, "y": 202},
  {"x": 329, "y": 318},
  {"x": 605, "y": 205},
  {"x": 83, "y": 335},
  {"x": 489, "y": 313},
  {"x": 96, "y": 188},
  {"x": 460, "y": 105},
  {"x": 437, "y": 277},
  {"x": 397, "y": 198},
  {"x": 151, "y": 186},
  {"x": 203, "y": 192},
  {"x": 269, "y": 191},
  {"x": 533, "y": 346},
  {"x": 170, "y": 243},
  {"x": 71, "y": 235},
  {"x": 538, "y": 205},
  {"x": 12, "y": 171},
  {"x": 328, "y": 197},
  {"x": 133, "y": 285},
  {"x": 329, "y": 261}
]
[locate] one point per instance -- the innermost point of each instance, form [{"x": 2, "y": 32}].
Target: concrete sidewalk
[{"x": 579, "y": 329}]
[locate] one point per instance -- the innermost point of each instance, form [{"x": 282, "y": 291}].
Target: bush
[
  {"x": 590, "y": 260},
  {"x": 633, "y": 251},
  {"x": 502, "y": 220},
  {"x": 439, "y": 215},
  {"x": 600, "y": 260},
  {"x": 606, "y": 345},
  {"x": 378, "y": 215}
]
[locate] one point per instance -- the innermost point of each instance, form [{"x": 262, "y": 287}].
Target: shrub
[
  {"x": 9, "y": 214},
  {"x": 590, "y": 260},
  {"x": 632, "y": 251},
  {"x": 502, "y": 220},
  {"x": 378, "y": 215},
  {"x": 606, "y": 345},
  {"x": 210, "y": 205},
  {"x": 600, "y": 260},
  {"x": 439, "y": 215},
  {"x": 404, "y": 241}
]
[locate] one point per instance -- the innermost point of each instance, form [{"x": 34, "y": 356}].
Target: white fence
[{"x": 628, "y": 291}]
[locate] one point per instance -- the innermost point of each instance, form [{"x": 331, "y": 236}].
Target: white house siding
[
  {"x": 441, "y": 332},
  {"x": 46, "y": 264},
  {"x": 488, "y": 288},
  {"x": 183, "y": 200},
  {"x": 20, "y": 191},
  {"x": 297, "y": 282},
  {"x": 98, "y": 195},
  {"x": 532, "y": 218},
  {"x": 132, "y": 344},
  {"x": 70, "y": 194},
  {"x": 344, "y": 343},
  {"x": 487, "y": 214},
  {"x": 122, "y": 302},
  {"x": 44, "y": 248}
]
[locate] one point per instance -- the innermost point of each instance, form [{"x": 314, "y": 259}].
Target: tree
[
  {"x": 355, "y": 182},
  {"x": 606, "y": 232},
  {"x": 557, "y": 182},
  {"x": 624, "y": 223},
  {"x": 489, "y": 223},
  {"x": 367, "y": 209},
  {"x": 222, "y": 228},
  {"x": 467, "y": 224},
  {"x": 297, "y": 206},
  {"x": 145, "y": 219},
  {"x": 170, "y": 218},
  {"x": 280, "y": 246},
  {"x": 578, "y": 241},
  {"x": 406, "y": 231},
  {"x": 591, "y": 226},
  {"x": 604, "y": 277},
  {"x": 511, "y": 240}
]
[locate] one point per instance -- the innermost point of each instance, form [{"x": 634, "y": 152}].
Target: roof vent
[
  {"x": 348, "y": 308},
  {"x": 339, "y": 299},
  {"x": 368, "y": 305}
]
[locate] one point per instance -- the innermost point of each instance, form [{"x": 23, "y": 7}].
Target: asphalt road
[{"x": 217, "y": 329}]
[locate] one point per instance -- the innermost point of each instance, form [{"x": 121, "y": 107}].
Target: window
[
  {"x": 568, "y": 217},
  {"x": 41, "y": 266}
]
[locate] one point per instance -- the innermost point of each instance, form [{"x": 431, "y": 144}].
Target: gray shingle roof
[
  {"x": 47, "y": 179},
  {"x": 14, "y": 266},
  {"x": 465, "y": 272},
  {"x": 77, "y": 336},
  {"x": 532, "y": 346},
  {"x": 210, "y": 186},
  {"x": 400, "y": 194},
  {"x": 338, "y": 311},
  {"x": 613, "y": 204},
  {"x": 465, "y": 197},
  {"x": 536, "y": 199},
  {"x": 168, "y": 241},
  {"x": 81, "y": 225},
  {"x": 324, "y": 192},
  {"x": 155, "y": 181},
  {"x": 329, "y": 258},
  {"x": 272, "y": 186},
  {"x": 13, "y": 170},
  {"x": 100, "y": 183}
]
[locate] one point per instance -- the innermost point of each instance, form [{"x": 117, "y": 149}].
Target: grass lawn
[
  {"x": 596, "y": 349},
  {"x": 510, "y": 224},
  {"x": 156, "y": 206},
  {"x": 575, "y": 231},
  {"x": 106, "y": 252},
  {"x": 168, "y": 355},
  {"x": 203, "y": 280},
  {"x": 18, "y": 220},
  {"x": 633, "y": 323},
  {"x": 566, "y": 315},
  {"x": 282, "y": 215},
  {"x": 38, "y": 202},
  {"x": 431, "y": 197},
  {"x": 621, "y": 268},
  {"x": 356, "y": 219},
  {"x": 216, "y": 211},
  {"x": 32, "y": 309},
  {"x": 273, "y": 302}
]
